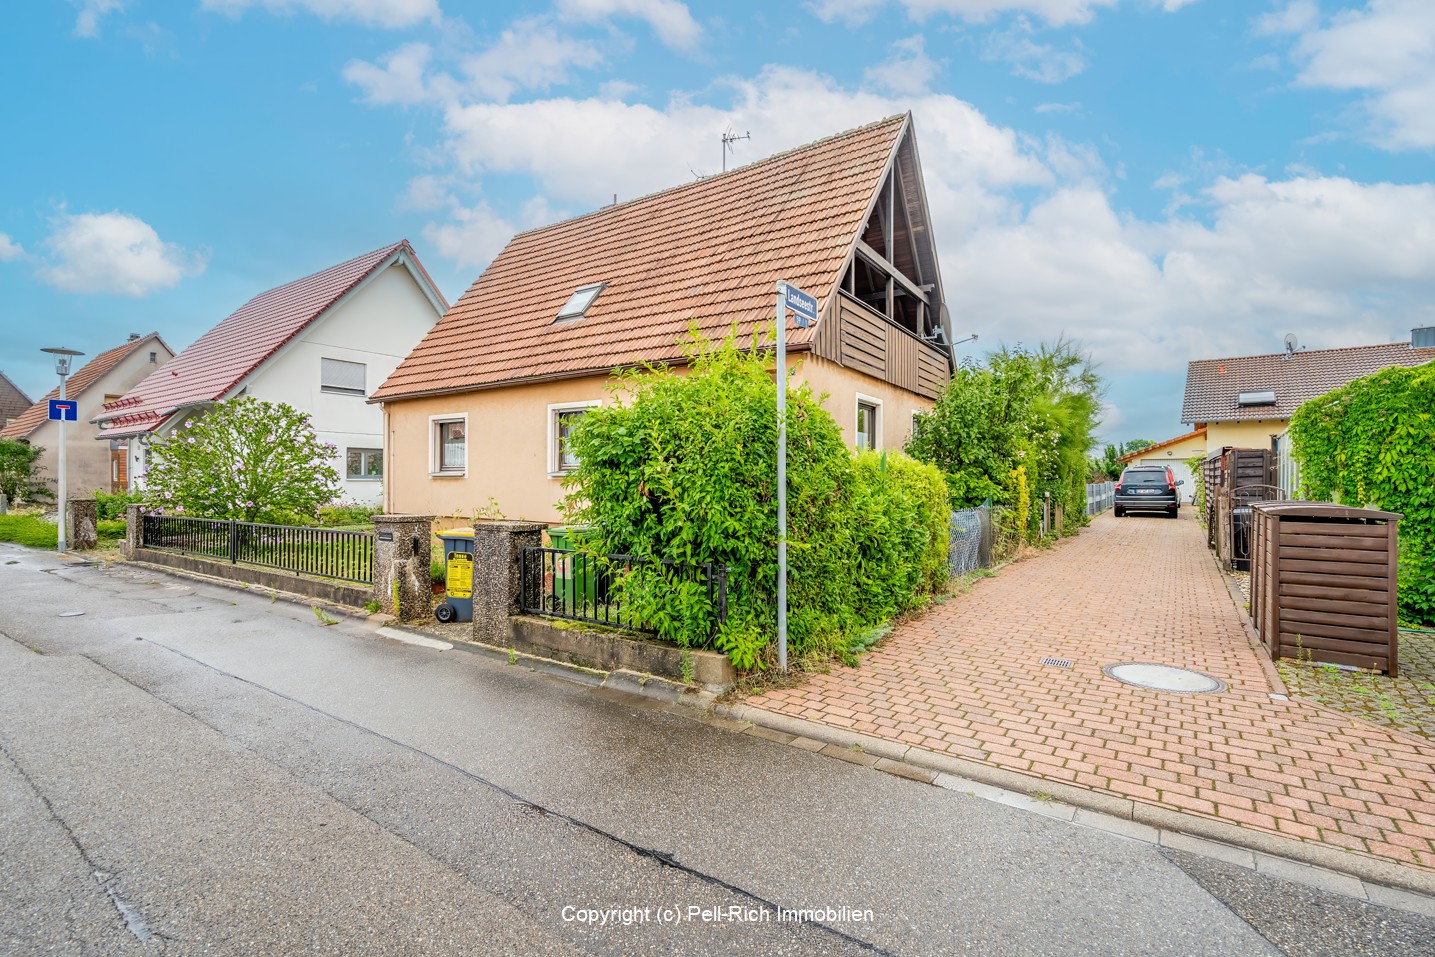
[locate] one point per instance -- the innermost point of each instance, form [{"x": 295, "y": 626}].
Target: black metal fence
[
  {"x": 583, "y": 587},
  {"x": 322, "y": 552}
]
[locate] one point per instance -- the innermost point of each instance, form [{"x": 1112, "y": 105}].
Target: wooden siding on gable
[{"x": 854, "y": 336}]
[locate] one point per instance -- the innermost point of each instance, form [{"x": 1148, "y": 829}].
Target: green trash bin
[
  {"x": 458, "y": 576},
  {"x": 577, "y": 580}
]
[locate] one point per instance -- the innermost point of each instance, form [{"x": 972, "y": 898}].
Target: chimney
[
  {"x": 134, "y": 337},
  {"x": 1422, "y": 338}
]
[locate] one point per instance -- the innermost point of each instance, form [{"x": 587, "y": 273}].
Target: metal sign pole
[
  {"x": 782, "y": 476},
  {"x": 61, "y": 529}
]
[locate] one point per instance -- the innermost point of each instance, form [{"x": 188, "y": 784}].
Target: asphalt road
[{"x": 186, "y": 769}]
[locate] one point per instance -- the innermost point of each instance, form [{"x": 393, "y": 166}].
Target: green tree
[
  {"x": 1033, "y": 409},
  {"x": 243, "y": 459},
  {"x": 21, "y": 479}
]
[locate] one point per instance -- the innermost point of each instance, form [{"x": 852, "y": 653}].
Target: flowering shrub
[{"x": 243, "y": 459}]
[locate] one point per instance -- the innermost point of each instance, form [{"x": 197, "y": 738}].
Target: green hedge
[
  {"x": 1372, "y": 443},
  {"x": 29, "y": 530},
  {"x": 682, "y": 467}
]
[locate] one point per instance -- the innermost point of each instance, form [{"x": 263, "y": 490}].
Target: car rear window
[{"x": 1153, "y": 477}]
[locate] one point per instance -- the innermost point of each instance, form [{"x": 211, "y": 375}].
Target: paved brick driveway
[{"x": 966, "y": 679}]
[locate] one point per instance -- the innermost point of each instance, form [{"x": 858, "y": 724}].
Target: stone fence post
[
  {"x": 134, "y": 516},
  {"x": 497, "y": 549},
  {"x": 81, "y": 516},
  {"x": 403, "y": 551}
]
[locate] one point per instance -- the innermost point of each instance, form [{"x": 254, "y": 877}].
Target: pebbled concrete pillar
[
  {"x": 497, "y": 547},
  {"x": 403, "y": 551},
  {"x": 81, "y": 528},
  {"x": 134, "y": 515}
]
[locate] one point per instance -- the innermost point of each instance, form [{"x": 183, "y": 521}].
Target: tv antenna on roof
[
  {"x": 1291, "y": 344},
  {"x": 729, "y": 138}
]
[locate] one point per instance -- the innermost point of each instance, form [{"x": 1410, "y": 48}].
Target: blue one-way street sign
[{"x": 64, "y": 410}]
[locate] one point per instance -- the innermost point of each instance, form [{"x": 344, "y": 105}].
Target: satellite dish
[{"x": 1291, "y": 343}]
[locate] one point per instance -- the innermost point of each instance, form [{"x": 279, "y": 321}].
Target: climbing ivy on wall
[{"x": 1372, "y": 443}]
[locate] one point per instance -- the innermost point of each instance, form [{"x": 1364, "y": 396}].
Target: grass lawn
[{"x": 32, "y": 530}]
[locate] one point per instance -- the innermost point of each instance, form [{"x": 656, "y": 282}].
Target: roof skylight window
[
  {"x": 1256, "y": 398},
  {"x": 579, "y": 302}
]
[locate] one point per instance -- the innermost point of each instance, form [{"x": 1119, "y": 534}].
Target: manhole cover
[{"x": 1164, "y": 678}]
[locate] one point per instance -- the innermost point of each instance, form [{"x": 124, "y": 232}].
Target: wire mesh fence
[{"x": 970, "y": 545}]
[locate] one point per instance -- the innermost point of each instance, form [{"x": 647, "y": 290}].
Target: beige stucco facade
[
  {"x": 510, "y": 468},
  {"x": 1251, "y": 434}
]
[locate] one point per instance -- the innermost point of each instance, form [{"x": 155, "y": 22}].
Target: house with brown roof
[
  {"x": 478, "y": 413},
  {"x": 13, "y": 400},
  {"x": 89, "y": 465},
  {"x": 1246, "y": 401},
  {"x": 1173, "y": 453},
  {"x": 319, "y": 344}
]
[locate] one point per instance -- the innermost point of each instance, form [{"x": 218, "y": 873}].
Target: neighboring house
[
  {"x": 1174, "y": 453},
  {"x": 319, "y": 344},
  {"x": 89, "y": 465},
  {"x": 12, "y": 400},
  {"x": 478, "y": 413},
  {"x": 1245, "y": 401}
]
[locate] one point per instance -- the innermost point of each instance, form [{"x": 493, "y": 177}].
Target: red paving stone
[{"x": 965, "y": 678}]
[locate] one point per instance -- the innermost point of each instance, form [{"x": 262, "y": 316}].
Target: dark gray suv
[{"x": 1148, "y": 488}]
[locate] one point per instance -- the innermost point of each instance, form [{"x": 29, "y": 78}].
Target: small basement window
[
  {"x": 579, "y": 302},
  {"x": 1256, "y": 398}
]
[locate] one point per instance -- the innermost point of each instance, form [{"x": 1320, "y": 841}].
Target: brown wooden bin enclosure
[{"x": 1323, "y": 583}]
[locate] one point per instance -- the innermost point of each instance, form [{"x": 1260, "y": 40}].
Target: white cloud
[
  {"x": 1295, "y": 17},
  {"x": 1035, "y": 61},
  {"x": 908, "y": 71},
  {"x": 87, "y": 21},
  {"x": 113, "y": 253},
  {"x": 472, "y": 237},
  {"x": 1054, "y": 12},
  {"x": 851, "y": 12},
  {"x": 9, "y": 249},
  {"x": 376, "y": 13},
  {"x": 1058, "y": 108},
  {"x": 529, "y": 55},
  {"x": 669, "y": 19},
  {"x": 399, "y": 78},
  {"x": 1386, "y": 51}
]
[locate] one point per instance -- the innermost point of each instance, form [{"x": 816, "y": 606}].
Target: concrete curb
[
  {"x": 1272, "y": 673},
  {"x": 1330, "y": 869}
]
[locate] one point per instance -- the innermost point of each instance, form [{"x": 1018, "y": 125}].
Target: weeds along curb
[{"x": 1335, "y": 870}]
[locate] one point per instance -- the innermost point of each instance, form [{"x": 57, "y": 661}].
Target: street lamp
[{"x": 62, "y": 368}]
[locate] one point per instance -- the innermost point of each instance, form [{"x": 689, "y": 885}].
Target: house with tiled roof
[
  {"x": 319, "y": 344},
  {"x": 1245, "y": 401},
  {"x": 1173, "y": 453},
  {"x": 13, "y": 400},
  {"x": 478, "y": 413},
  {"x": 89, "y": 465}
]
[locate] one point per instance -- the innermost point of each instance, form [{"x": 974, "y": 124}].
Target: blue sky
[{"x": 1159, "y": 180}]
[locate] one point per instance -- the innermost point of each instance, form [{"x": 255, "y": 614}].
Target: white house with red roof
[{"x": 321, "y": 344}]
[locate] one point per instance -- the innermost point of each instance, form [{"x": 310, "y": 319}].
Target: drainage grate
[{"x": 1057, "y": 662}]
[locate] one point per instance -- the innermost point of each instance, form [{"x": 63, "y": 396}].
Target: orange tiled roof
[
  {"x": 221, "y": 358},
  {"x": 708, "y": 252},
  {"x": 39, "y": 413},
  {"x": 13, "y": 401}
]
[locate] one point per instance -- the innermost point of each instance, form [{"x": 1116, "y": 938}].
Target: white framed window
[
  {"x": 561, "y": 419},
  {"x": 448, "y": 444},
  {"x": 916, "y": 422},
  {"x": 579, "y": 302},
  {"x": 342, "y": 377},
  {"x": 364, "y": 464},
  {"x": 868, "y": 421}
]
